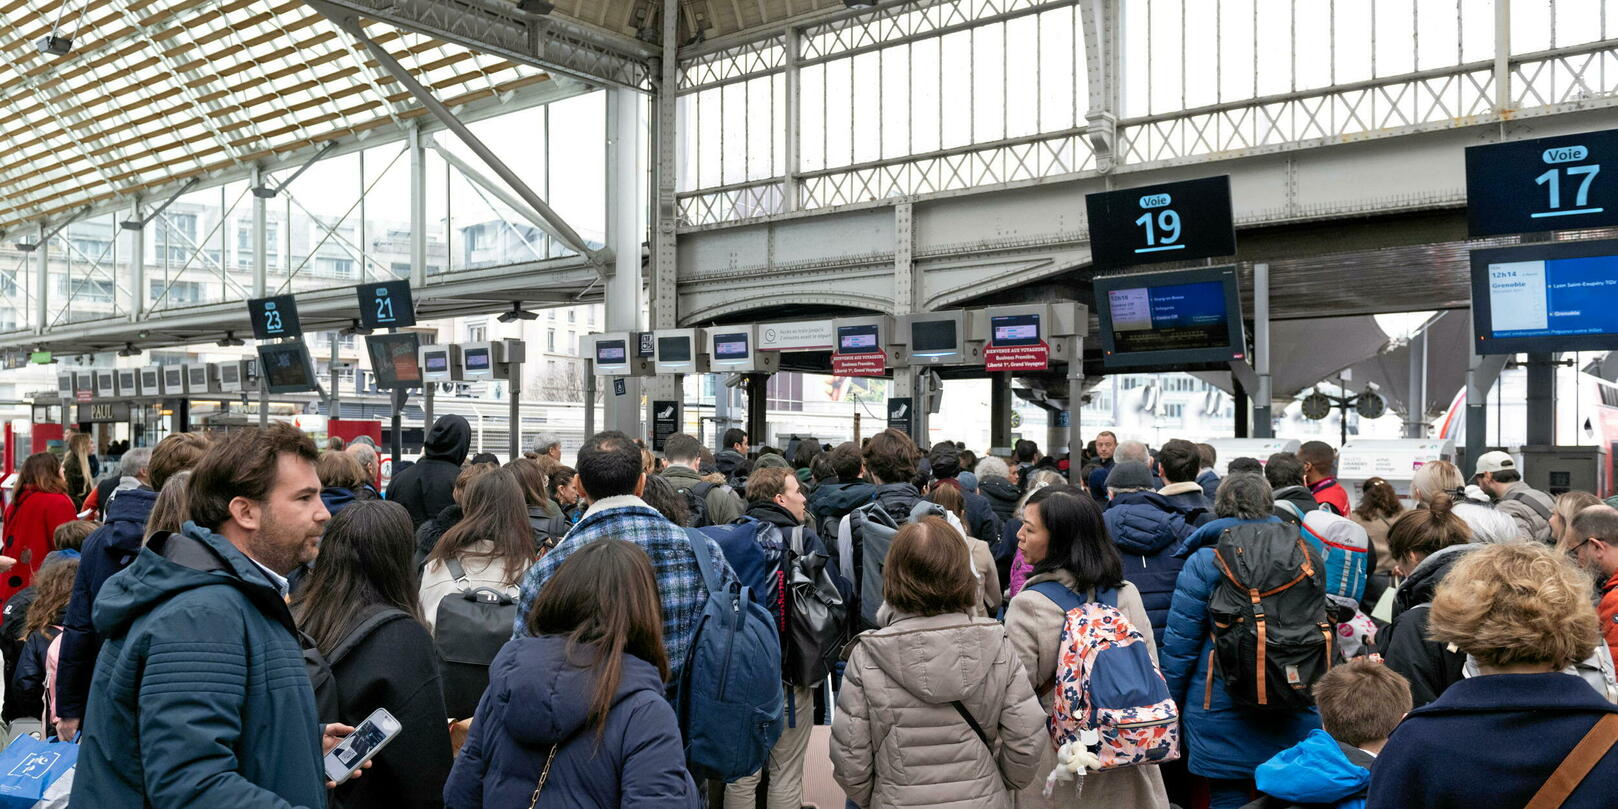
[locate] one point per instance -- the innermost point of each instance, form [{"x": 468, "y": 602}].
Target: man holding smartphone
[{"x": 200, "y": 696}]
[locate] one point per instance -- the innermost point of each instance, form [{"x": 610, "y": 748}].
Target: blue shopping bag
[{"x": 29, "y": 766}]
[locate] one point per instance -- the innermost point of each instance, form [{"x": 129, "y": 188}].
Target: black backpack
[
  {"x": 696, "y": 503},
  {"x": 1271, "y": 637},
  {"x": 871, "y": 529},
  {"x": 469, "y": 629},
  {"x": 817, "y": 616}
]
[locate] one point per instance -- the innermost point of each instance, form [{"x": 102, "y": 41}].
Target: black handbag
[{"x": 817, "y": 618}]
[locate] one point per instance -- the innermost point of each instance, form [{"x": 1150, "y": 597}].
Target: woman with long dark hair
[
  {"x": 564, "y": 493},
  {"x": 40, "y": 504},
  {"x": 577, "y": 711},
  {"x": 30, "y": 693},
  {"x": 359, "y": 607},
  {"x": 1376, "y": 512},
  {"x": 493, "y": 544},
  {"x": 1065, "y": 539},
  {"x": 543, "y": 514}
]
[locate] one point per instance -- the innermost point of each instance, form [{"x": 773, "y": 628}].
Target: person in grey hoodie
[{"x": 936, "y": 708}]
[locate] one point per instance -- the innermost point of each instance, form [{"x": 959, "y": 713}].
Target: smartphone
[{"x": 364, "y": 743}]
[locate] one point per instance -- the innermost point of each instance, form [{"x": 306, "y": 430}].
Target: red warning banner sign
[
  {"x": 859, "y": 364},
  {"x": 1017, "y": 358}
]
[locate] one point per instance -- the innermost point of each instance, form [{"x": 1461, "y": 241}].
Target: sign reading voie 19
[
  {"x": 1528, "y": 186},
  {"x": 386, "y": 305},
  {"x": 1157, "y": 223}
]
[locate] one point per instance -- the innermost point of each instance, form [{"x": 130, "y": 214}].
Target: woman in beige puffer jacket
[
  {"x": 1071, "y": 530},
  {"x": 898, "y": 739}
]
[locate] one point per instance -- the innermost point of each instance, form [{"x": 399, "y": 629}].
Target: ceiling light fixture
[
  {"x": 129, "y": 350},
  {"x": 230, "y": 340}
]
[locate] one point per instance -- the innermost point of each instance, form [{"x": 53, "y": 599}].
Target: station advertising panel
[
  {"x": 395, "y": 359},
  {"x": 274, "y": 317},
  {"x": 286, "y": 367},
  {"x": 1167, "y": 319},
  {"x": 1529, "y": 186},
  {"x": 386, "y": 305},
  {"x": 1156, "y": 223},
  {"x": 1557, "y": 296}
]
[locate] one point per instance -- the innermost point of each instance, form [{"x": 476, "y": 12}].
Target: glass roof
[{"x": 155, "y": 91}]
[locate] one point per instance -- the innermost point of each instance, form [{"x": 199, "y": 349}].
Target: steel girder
[{"x": 555, "y": 43}]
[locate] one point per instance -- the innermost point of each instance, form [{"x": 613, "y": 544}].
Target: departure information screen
[
  {"x": 674, "y": 349},
  {"x": 1186, "y": 317},
  {"x": 1014, "y": 330},
  {"x": 857, "y": 340},
  {"x": 730, "y": 346},
  {"x": 394, "y": 359},
  {"x": 476, "y": 359},
  {"x": 1551, "y": 297},
  {"x": 611, "y": 352},
  {"x": 286, "y": 367},
  {"x": 933, "y": 337}
]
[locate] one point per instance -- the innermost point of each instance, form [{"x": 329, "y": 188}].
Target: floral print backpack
[{"x": 1109, "y": 697}]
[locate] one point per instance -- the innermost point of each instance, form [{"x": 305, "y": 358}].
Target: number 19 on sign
[{"x": 1162, "y": 226}]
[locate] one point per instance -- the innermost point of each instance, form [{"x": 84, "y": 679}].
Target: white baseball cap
[{"x": 1495, "y": 461}]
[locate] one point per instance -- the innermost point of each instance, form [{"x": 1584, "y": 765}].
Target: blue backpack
[
  {"x": 755, "y": 550},
  {"x": 729, "y": 698}
]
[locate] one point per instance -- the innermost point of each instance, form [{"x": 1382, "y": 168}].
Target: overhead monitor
[
  {"x": 612, "y": 352},
  {"x": 441, "y": 363},
  {"x": 1015, "y": 330},
  {"x": 734, "y": 349},
  {"x": 1167, "y": 319},
  {"x": 863, "y": 338},
  {"x": 106, "y": 383},
  {"x": 618, "y": 353},
  {"x": 936, "y": 338},
  {"x": 731, "y": 347},
  {"x": 233, "y": 377},
  {"x": 174, "y": 381},
  {"x": 395, "y": 359},
  {"x": 151, "y": 381},
  {"x": 1556, "y": 296},
  {"x": 678, "y": 351},
  {"x": 286, "y": 367},
  {"x": 1179, "y": 221},
  {"x": 64, "y": 385},
  {"x": 197, "y": 378},
  {"x": 126, "y": 382},
  {"x": 386, "y": 305},
  {"x": 481, "y": 361}
]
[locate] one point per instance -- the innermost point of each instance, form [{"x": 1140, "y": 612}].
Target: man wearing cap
[{"x": 1530, "y": 508}]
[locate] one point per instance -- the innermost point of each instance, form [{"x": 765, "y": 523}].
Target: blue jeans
[{"x": 1226, "y": 793}]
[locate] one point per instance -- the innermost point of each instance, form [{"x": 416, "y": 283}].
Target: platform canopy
[{"x": 156, "y": 92}]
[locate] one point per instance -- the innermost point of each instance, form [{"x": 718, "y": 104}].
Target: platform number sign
[
  {"x": 1529, "y": 186},
  {"x": 1170, "y": 222},
  {"x": 386, "y": 305},
  {"x": 274, "y": 317}
]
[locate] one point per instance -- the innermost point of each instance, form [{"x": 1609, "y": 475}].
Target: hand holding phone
[{"x": 361, "y": 746}]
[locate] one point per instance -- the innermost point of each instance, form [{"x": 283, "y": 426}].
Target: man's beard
[{"x": 273, "y": 548}]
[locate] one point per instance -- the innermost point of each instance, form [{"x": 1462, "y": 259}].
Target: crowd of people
[{"x": 210, "y": 616}]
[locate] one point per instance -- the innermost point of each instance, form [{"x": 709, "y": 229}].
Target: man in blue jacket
[{"x": 200, "y": 695}]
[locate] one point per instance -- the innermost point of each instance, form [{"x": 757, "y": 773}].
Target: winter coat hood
[
  {"x": 448, "y": 440},
  {"x": 161, "y": 572},
  {"x": 897, "y": 498},
  {"x": 999, "y": 490},
  {"x": 1145, "y": 523},
  {"x": 1315, "y": 770},
  {"x": 1422, "y": 584},
  {"x": 132, "y": 506},
  {"x": 834, "y": 499},
  {"x": 726, "y": 461},
  {"x": 335, "y": 497},
  {"x": 556, "y": 692},
  {"x": 774, "y": 515},
  {"x": 939, "y": 658}
]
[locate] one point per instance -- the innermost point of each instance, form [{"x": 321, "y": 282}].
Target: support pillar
[
  {"x": 418, "y": 209},
  {"x": 589, "y": 397},
  {"x": 1416, "y": 404},
  {"x": 42, "y": 281},
  {"x": 1502, "y": 56},
  {"x": 758, "y": 404},
  {"x": 1480, "y": 377},
  {"x": 261, "y": 282},
  {"x": 1263, "y": 395},
  {"x": 1000, "y": 414},
  {"x": 721, "y": 413},
  {"x": 624, "y": 301},
  {"x": 907, "y": 299},
  {"x": 137, "y": 269},
  {"x": 1541, "y": 399},
  {"x": 1238, "y": 393},
  {"x": 1075, "y": 404}
]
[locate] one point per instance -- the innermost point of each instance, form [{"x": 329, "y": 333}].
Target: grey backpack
[
  {"x": 873, "y": 529},
  {"x": 469, "y": 629}
]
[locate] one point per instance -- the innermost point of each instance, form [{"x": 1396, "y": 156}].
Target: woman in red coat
[{"x": 40, "y": 504}]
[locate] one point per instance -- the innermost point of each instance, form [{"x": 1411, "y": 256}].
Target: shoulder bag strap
[
  {"x": 699, "y": 547},
  {"x": 960, "y": 708},
  {"x": 1063, "y": 598},
  {"x": 1537, "y": 507},
  {"x": 458, "y": 573},
  {"x": 1586, "y": 754},
  {"x": 362, "y": 631}
]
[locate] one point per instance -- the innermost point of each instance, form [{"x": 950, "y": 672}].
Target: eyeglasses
[{"x": 1582, "y": 543}]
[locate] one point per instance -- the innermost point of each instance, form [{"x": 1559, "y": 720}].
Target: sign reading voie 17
[
  {"x": 386, "y": 305},
  {"x": 1157, "y": 223},
  {"x": 1529, "y": 186}
]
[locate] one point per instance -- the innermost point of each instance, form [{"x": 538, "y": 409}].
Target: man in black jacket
[
  {"x": 1285, "y": 473},
  {"x": 427, "y": 487},
  {"x": 981, "y": 521},
  {"x": 834, "y": 498}
]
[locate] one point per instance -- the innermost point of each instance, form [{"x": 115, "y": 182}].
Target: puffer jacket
[
  {"x": 897, "y": 741},
  {"x": 1148, "y": 528},
  {"x": 1034, "y": 624},
  {"x": 1221, "y": 738},
  {"x": 1429, "y": 665},
  {"x": 538, "y": 697}
]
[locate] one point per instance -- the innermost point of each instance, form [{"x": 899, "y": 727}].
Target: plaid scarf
[{"x": 679, "y": 582}]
